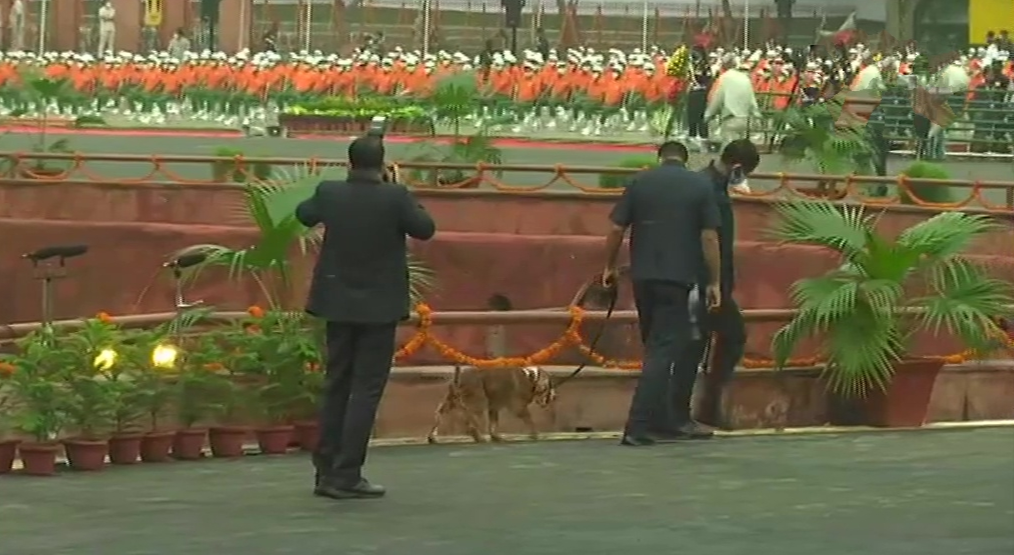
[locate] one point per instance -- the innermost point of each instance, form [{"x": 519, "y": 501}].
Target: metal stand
[
  {"x": 178, "y": 264},
  {"x": 47, "y": 273},
  {"x": 48, "y": 265}
]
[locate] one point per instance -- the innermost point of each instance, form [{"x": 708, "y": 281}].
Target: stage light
[
  {"x": 105, "y": 359},
  {"x": 164, "y": 356}
]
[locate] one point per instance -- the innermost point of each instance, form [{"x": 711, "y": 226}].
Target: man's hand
[
  {"x": 609, "y": 277},
  {"x": 713, "y": 294}
]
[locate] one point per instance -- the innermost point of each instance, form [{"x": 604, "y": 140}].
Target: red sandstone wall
[{"x": 537, "y": 251}]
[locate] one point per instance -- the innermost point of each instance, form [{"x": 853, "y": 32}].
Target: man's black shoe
[
  {"x": 361, "y": 490},
  {"x": 693, "y": 430},
  {"x": 636, "y": 441}
]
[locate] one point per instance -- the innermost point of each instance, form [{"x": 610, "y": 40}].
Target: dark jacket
[
  {"x": 666, "y": 208},
  {"x": 362, "y": 271}
]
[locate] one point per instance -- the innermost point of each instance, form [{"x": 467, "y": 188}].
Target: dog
[{"x": 473, "y": 390}]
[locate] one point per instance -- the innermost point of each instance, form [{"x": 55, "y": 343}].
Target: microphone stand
[{"x": 47, "y": 273}]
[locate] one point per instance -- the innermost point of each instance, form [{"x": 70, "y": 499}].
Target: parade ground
[
  {"x": 400, "y": 149},
  {"x": 887, "y": 493}
]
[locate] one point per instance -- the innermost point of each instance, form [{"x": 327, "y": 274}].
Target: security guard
[{"x": 724, "y": 325}]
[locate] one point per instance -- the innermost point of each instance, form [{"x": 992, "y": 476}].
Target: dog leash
[{"x": 614, "y": 294}]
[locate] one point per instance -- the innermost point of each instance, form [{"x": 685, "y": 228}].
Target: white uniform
[
  {"x": 869, "y": 79},
  {"x": 734, "y": 103},
  {"x": 107, "y": 29}
]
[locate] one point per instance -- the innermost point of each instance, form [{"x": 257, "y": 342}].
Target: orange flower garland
[{"x": 572, "y": 337}]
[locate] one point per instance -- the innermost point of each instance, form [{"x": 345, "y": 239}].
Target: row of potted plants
[{"x": 102, "y": 391}]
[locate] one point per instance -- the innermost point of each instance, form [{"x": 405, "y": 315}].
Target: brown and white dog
[{"x": 474, "y": 390}]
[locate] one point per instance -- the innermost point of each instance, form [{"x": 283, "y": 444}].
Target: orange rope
[
  {"x": 572, "y": 337},
  {"x": 485, "y": 174}
]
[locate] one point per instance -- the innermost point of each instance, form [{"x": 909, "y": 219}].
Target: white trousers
[{"x": 107, "y": 41}]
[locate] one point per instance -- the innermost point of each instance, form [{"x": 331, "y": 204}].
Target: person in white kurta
[
  {"x": 107, "y": 28},
  {"x": 16, "y": 25},
  {"x": 734, "y": 102}
]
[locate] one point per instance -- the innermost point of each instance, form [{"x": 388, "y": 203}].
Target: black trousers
[
  {"x": 358, "y": 365},
  {"x": 726, "y": 325},
  {"x": 663, "y": 315},
  {"x": 697, "y": 104}
]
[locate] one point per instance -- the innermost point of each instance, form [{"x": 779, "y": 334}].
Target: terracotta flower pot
[
  {"x": 188, "y": 444},
  {"x": 38, "y": 459},
  {"x": 125, "y": 448},
  {"x": 227, "y": 441},
  {"x": 307, "y": 435},
  {"x": 86, "y": 454},
  {"x": 274, "y": 440},
  {"x": 8, "y": 451},
  {"x": 155, "y": 446},
  {"x": 905, "y": 403}
]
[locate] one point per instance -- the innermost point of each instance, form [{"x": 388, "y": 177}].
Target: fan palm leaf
[{"x": 865, "y": 311}]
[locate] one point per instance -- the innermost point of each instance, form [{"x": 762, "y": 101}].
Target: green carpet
[{"x": 927, "y": 493}]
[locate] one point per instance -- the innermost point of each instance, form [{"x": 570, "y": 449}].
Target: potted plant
[
  {"x": 131, "y": 392},
  {"x": 282, "y": 356},
  {"x": 865, "y": 313},
  {"x": 8, "y": 445},
  {"x": 229, "y": 167},
  {"x": 823, "y": 136},
  {"x": 619, "y": 180},
  {"x": 452, "y": 101},
  {"x": 927, "y": 193},
  {"x": 232, "y": 381},
  {"x": 193, "y": 394},
  {"x": 44, "y": 92},
  {"x": 40, "y": 399},
  {"x": 92, "y": 392},
  {"x": 155, "y": 394}
]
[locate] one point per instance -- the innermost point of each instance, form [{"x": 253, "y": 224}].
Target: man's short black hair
[
  {"x": 743, "y": 153},
  {"x": 366, "y": 153},
  {"x": 670, "y": 150}
]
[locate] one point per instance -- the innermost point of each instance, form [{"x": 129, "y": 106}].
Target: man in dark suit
[
  {"x": 724, "y": 326},
  {"x": 673, "y": 220},
  {"x": 361, "y": 289}
]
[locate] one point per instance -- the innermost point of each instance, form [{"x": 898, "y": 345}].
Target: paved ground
[
  {"x": 571, "y": 155},
  {"x": 914, "y": 493}
]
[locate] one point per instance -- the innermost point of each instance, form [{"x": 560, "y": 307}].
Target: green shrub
[
  {"x": 228, "y": 171},
  {"x": 619, "y": 180},
  {"x": 925, "y": 192}
]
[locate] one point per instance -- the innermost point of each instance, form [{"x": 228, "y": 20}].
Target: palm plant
[
  {"x": 453, "y": 101},
  {"x": 866, "y": 312},
  {"x": 271, "y": 205},
  {"x": 824, "y": 136}
]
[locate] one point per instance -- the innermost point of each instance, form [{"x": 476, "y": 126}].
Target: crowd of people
[{"x": 596, "y": 91}]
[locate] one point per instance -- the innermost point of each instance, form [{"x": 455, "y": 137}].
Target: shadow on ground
[{"x": 912, "y": 493}]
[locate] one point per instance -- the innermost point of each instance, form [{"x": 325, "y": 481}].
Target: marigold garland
[{"x": 572, "y": 337}]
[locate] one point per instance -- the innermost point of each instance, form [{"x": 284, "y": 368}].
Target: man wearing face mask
[{"x": 725, "y": 323}]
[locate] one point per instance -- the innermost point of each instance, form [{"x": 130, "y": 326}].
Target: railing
[
  {"x": 425, "y": 320},
  {"x": 995, "y": 196}
]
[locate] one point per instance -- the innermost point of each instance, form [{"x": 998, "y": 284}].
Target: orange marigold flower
[
  {"x": 6, "y": 369},
  {"x": 214, "y": 366},
  {"x": 104, "y": 317},
  {"x": 255, "y": 311}
]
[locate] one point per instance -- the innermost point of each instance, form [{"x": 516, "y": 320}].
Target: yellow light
[
  {"x": 164, "y": 356},
  {"x": 105, "y": 359}
]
